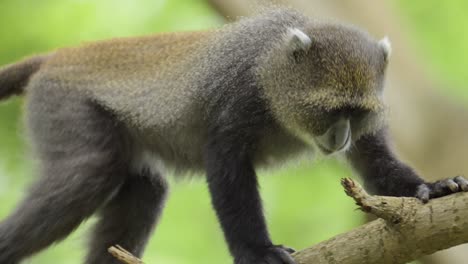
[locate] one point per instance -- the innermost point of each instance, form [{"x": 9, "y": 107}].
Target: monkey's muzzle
[{"x": 336, "y": 138}]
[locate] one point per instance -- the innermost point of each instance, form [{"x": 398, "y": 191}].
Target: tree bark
[{"x": 406, "y": 230}]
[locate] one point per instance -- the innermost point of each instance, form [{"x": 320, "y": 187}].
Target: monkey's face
[
  {"x": 325, "y": 84},
  {"x": 335, "y": 130}
]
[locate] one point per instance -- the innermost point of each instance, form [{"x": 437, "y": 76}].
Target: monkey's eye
[
  {"x": 298, "y": 56},
  {"x": 332, "y": 115},
  {"x": 349, "y": 112},
  {"x": 355, "y": 111}
]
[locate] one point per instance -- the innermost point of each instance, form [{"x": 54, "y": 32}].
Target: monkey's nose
[
  {"x": 341, "y": 135},
  {"x": 337, "y": 136}
]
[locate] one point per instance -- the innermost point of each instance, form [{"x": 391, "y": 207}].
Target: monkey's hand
[
  {"x": 441, "y": 188},
  {"x": 276, "y": 254}
]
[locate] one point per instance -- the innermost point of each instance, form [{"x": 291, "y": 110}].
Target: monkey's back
[
  {"x": 144, "y": 82},
  {"x": 168, "y": 88},
  {"x": 130, "y": 75}
]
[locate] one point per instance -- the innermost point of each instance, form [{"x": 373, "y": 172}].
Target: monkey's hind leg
[
  {"x": 80, "y": 148},
  {"x": 129, "y": 218}
]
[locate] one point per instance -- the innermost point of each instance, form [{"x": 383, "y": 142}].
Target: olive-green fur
[{"x": 158, "y": 85}]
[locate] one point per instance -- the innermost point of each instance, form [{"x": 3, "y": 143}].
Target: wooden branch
[
  {"x": 123, "y": 255},
  {"x": 406, "y": 230}
]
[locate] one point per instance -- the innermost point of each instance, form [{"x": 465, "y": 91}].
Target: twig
[{"x": 123, "y": 255}]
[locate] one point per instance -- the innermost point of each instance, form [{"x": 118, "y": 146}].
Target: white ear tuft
[
  {"x": 386, "y": 46},
  {"x": 298, "y": 40}
]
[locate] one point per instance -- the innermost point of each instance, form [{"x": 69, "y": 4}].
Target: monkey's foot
[
  {"x": 441, "y": 188},
  {"x": 278, "y": 254}
]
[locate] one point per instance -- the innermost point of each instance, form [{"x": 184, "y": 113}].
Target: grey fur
[
  {"x": 165, "y": 111},
  {"x": 129, "y": 218},
  {"x": 107, "y": 120},
  {"x": 83, "y": 156}
]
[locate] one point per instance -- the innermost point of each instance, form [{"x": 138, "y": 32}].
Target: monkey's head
[{"x": 324, "y": 82}]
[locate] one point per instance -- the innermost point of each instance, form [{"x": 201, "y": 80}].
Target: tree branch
[{"x": 406, "y": 230}]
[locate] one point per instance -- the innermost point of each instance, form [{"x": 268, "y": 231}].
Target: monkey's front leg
[
  {"x": 384, "y": 174},
  {"x": 233, "y": 186}
]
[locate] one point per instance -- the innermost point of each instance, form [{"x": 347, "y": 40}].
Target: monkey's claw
[
  {"x": 441, "y": 188},
  {"x": 462, "y": 183},
  {"x": 288, "y": 249},
  {"x": 272, "y": 255},
  {"x": 279, "y": 255}
]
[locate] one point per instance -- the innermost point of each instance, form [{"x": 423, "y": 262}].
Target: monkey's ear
[
  {"x": 298, "y": 43},
  {"x": 386, "y": 46}
]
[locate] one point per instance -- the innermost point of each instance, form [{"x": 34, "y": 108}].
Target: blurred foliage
[
  {"x": 440, "y": 29},
  {"x": 304, "y": 203}
]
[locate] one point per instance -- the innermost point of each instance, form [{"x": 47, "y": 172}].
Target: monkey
[{"x": 109, "y": 120}]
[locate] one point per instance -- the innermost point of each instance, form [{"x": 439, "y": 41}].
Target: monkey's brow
[{"x": 346, "y": 109}]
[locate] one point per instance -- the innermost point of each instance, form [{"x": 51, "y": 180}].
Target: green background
[{"x": 304, "y": 202}]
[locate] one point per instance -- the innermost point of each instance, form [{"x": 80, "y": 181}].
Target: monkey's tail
[{"x": 14, "y": 77}]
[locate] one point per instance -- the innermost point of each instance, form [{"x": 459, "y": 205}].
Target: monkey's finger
[
  {"x": 462, "y": 183},
  {"x": 288, "y": 249},
  {"x": 423, "y": 193},
  {"x": 443, "y": 187},
  {"x": 452, "y": 185},
  {"x": 286, "y": 257},
  {"x": 279, "y": 255}
]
